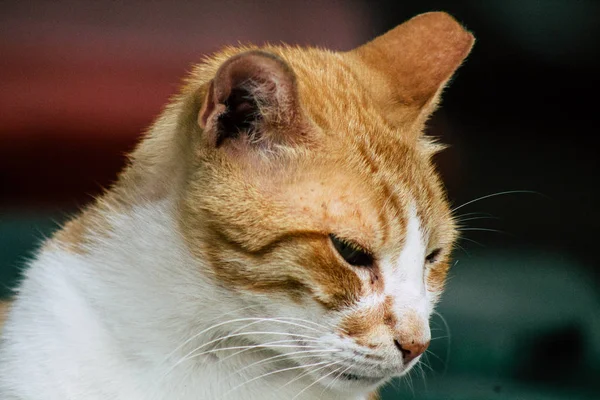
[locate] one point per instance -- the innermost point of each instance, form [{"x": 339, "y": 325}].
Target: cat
[{"x": 279, "y": 233}]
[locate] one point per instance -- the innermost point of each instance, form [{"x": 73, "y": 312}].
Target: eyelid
[
  {"x": 433, "y": 255},
  {"x": 362, "y": 246},
  {"x": 354, "y": 247}
]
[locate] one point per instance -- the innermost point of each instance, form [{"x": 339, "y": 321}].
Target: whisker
[
  {"x": 272, "y": 373},
  {"x": 248, "y": 347},
  {"x": 463, "y": 249},
  {"x": 476, "y": 213},
  {"x": 221, "y": 324},
  {"x": 190, "y": 354},
  {"x": 211, "y": 320},
  {"x": 468, "y": 240},
  {"x": 269, "y": 343},
  {"x": 435, "y": 355},
  {"x": 424, "y": 364},
  {"x": 449, "y": 340},
  {"x": 479, "y": 229},
  {"x": 315, "y": 382},
  {"x": 461, "y": 220},
  {"x": 409, "y": 382},
  {"x": 307, "y": 373},
  {"x": 330, "y": 384},
  {"x": 276, "y": 320},
  {"x": 235, "y": 333},
  {"x": 327, "y": 328},
  {"x": 286, "y": 355},
  {"x": 202, "y": 332},
  {"x": 423, "y": 377},
  {"x": 494, "y": 195}
]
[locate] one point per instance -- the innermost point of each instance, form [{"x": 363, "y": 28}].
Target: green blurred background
[{"x": 82, "y": 79}]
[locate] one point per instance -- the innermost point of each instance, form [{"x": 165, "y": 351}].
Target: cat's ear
[
  {"x": 252, "y": 99},
  {"x": 415, "y": 60}
]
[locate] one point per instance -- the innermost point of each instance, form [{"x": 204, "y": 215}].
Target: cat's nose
[{"x": 411, "y": 349}]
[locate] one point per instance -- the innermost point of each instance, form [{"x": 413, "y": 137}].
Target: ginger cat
[{"x": 280, "y": 233}]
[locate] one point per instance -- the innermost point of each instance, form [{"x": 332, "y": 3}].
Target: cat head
[{"x": 311, "y": 200}]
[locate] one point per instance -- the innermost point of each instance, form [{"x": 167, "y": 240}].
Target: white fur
[
  {"x": 107, "y": 325},
  {"x": 404, "y": 282},
  {"x": 405, "y": 277},
  {"x": 123, "y": 320}
]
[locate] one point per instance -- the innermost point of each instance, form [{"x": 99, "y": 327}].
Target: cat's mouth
[{"x": 361, "y": 378}]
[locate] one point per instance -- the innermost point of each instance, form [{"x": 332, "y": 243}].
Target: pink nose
[{"x": 411, "y": 350}]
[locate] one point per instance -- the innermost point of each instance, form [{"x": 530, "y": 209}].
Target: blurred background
[{"x": 80, "y": 80}]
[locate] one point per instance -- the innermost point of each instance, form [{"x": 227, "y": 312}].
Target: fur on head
[{"x": 304, "y": 187}]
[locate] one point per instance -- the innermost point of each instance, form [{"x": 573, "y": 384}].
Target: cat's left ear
[
  {"x": 252, "y": 101},
  {"x": 408, "y": 67}
]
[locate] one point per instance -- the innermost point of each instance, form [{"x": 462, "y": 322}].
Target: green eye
[{"x": 351, "y": 252}]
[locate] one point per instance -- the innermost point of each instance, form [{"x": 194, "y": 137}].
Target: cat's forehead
[
  {"x": 334, "y": 93},
  {"x": 357, "y": 196},
  {"x": 375, "y": 163},
  {"x": 363, "y": 172}
]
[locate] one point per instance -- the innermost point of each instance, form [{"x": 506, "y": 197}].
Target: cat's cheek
[{"x": 435, "y": 277}]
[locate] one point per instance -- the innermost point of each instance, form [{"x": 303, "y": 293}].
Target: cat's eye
[
  {"x": 351, "y": 252},
  {"x": 433, "y": 256}
]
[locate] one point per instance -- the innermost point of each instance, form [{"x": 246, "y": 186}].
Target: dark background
[{"x": 81, "y": 80}]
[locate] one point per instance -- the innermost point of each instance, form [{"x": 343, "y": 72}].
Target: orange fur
[
  {"x": 364, "y": 327},
  {"x": 342, "y": 153}
]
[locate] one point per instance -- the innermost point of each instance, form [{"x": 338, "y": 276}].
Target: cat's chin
[
  {"x": 356, "y": 381},
  {"x": 351, "y": 381},
  {"x": 348, "y": 382}
]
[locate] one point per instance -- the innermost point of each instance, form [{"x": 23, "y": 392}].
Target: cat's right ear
[{"x": 252, "y": 100}]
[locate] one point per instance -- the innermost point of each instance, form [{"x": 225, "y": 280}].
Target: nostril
[
  {"x": 411, "y": 350},
  {"x": 398, "y": 345},
  {"x": 405, "y": 352}
]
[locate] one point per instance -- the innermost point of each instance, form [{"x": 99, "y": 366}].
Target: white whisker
[
  {"x": 271, "y": 373},
  {"x": 476, "y": 213},
  {"x": 494, "y": 195},
  {"x": 330, "y": 384},
  {"x": 461, "y": 220},
  {"x": 236, "y": 333},
  {"x": 221, "y": 324},
  {"x": 449, "y": 341},
  {"x": 190, "y": 354},
  {"x": 279, "y": 320},
  {"x": 275, "y": 358},
  {"x": 315, "y": 382},
  {"x": 469, "y": 240},
  {"x": 308, "y": 373},
  {"x": 269, "y": 343},
  {"x": 479, "y": 229}
]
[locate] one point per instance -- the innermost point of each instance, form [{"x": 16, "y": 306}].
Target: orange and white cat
[{"x": 280, "y": 233}]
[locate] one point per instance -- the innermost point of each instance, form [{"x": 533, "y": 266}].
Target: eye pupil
[
  {"x": 351, "y": 252},
  {"x": 433, "y": 256}
]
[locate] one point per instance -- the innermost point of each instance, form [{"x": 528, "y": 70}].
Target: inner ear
[
  {"x": 241, "y": 115},
  {"x": 254, "y": 95}
]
